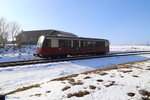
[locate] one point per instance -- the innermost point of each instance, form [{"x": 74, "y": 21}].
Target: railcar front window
[{"x": 40, "y": 41}]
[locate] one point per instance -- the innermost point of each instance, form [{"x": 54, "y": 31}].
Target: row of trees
[{"x": 8, "y": 31}]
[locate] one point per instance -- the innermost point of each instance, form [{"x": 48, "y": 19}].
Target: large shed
[{"x": 31, "y": 37}]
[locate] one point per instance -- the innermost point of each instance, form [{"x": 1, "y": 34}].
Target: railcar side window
[
  {"x": 93, "y": 43},
  {"x": 83, "y": 43},
  {"x": 75, "y": 43},
  {"x": 86, "y": 43},
  {"x": 64, "y": 43},
  {"x": 89, "y": 43},
  {"x": 100, "y": 44}
]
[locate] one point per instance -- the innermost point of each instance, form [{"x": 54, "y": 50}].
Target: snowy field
[
  {"x": 129, "y": 82},
  {"x": 20, "y": 76},
  {"x": 115, "y": 49}
]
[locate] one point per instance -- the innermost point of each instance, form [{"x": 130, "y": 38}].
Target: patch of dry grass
[
  {"x": 71, "y": 80},
  {"x": 79, "y": 82},
  {"x": 130, "y": 94},
  {"x": 135, "y": 76},
  {"x": 92, "y": 87},
  {"x": 64, "y": 78},
  {"x": 23, "y": 89},
  {"x": 101, "y": 73},
  {"x": 87, "y": 77},
  {"x": 100, "y": 80},
  {"x": 144, "y": 92},
  {"x": 78, "y": 94},
  {"x": 145, "y": 98},
  {"x": 148, "y": 68},
  {"x": 66, "y": 88},
  {"x": 111, "y": 84},
  {"x": 125, "y": 71},
  {"x": 48, "y": 91},
  {"x": 36, "y": 95}
]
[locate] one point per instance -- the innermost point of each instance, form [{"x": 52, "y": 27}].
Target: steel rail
[{"x": 38, "y": 61}]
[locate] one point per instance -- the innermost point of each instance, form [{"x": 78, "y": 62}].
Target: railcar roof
[{"x": 74, "y": 38}]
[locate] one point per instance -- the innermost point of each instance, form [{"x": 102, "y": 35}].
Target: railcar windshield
[{"x": 40, "y": 41}]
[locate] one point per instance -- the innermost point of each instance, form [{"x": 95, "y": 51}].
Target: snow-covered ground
[
  {"x": 10, "y": 53},
  {"x": 129, "y": 83},
  {"x": 20, "y": 76},
  {"x": 115, "y": 49}
]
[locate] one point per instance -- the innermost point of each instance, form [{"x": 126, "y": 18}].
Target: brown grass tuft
[
  {"x": 23, "y": 89},
  {"x": 48, "y": 91},
  {"x": 65, "y": 78},
  {"x": 76, "y": 83},
  {"x": 71, "y": 80},
  {"x": 101, "y": 73},
  {"x": 100, "y": 80},
  {"x": 148, "y": 69},
  {"x": 65, "y": 88},
  {"x": 63, "y": 82},
  {"x": 135, "y": 76},
  {"x": 144, "y": 92},
  {"x": 126, "y": 71},
  {"x": 130, "y": 94},
  {"x": 111, "y": 84},
  {"x": 87, "y": 77},
  {"x": 92, "y": 87},
  {"x": 36, "y": 95},
  {"x": 145, "y": 98},
  {"x": 79, "y": 94}
]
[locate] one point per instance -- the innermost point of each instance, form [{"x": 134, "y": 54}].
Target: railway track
[{"x": 38, "y": 61}]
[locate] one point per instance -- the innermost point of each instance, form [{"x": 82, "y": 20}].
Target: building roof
[{"x": 37, "y": 33}]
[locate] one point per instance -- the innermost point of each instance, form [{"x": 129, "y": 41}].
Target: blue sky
[{"x": 120, "y": 21}]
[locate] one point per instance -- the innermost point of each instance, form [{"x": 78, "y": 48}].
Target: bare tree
[
  {"x": 14, "y": 30},
  {"x": 3, "y": 31}
]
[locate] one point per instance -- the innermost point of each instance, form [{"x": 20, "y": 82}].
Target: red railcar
[{"x": 58, "y": 46}]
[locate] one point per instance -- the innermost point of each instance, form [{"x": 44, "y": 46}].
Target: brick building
[{"x": 31, "y": 37}]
